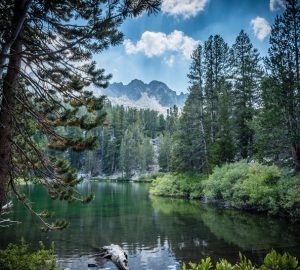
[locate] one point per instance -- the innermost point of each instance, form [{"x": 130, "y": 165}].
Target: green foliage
[
  {"x": 165, "y": 152},
  {"x": 19, "y": 257},
  {"x": 136, "y": 152},
  {"x": 239, "y": 185},
  {"x": 150, "y": 177},
  {"x": 275, "y": 261},
  {"x": 121, "y": 123},
  {"x": 203, "y": 265},
  {"x": 181, "y": 185},
  {"x": 272, "y": 261},
  {"x": 254, "y": 186},
  {"x": 246, "y": 74},
  {"x": 289, "y": 196}
]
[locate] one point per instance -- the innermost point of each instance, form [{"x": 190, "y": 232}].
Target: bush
[
  {"x": 182, "y": 185},
  {"x": 289, "y": 196},
  {"x": 245, "y": 186},
  {"x": 272, "y": 261},
  {"x": 148, "y": 178},
  {"x": 255, "y": 187},
  {"x": 219, "y": 185},
  {"x": 19, "y": 257}
]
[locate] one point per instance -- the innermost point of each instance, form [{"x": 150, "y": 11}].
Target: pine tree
[
  {"x": 172, "y": 119},
  {"x": 223, "y": 149},
  {"x": 55, "y": 41},
  {"x": 146, "y": 154},
  {"x": 216, "y": 63},
  {"x": 165, "y": 152},
  {"x": 281, "y": 91},
  {"x": 136, "y": 152},
  {"x": 246, "y": 75},
  {"x": 217, "y": 91},
  {"x": 191, "y": 149}
]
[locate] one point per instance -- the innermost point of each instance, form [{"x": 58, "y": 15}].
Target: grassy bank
[{"x": 238, "y": 185}]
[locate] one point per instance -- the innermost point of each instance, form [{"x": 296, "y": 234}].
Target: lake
[{"x": 157, "y": 233}]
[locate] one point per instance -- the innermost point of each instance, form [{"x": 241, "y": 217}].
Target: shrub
[
  {"x": 272, "y": 261},
  {"x": 19, "y": 257},
  {"x": 289, "y": 196},
  {"x": 149, "y": 177},
  {"x": 247, "y": 186},
  {"x": 168, "y": 185},
  {"x": 181, "y": 185},
  {"x": 221, "y": 181}
]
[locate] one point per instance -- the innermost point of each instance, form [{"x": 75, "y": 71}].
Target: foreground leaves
[{"x": 272, "y": 261}]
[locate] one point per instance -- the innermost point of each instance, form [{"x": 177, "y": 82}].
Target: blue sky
[{"x": 157, "y": 47}]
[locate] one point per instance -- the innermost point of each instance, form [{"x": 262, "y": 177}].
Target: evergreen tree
[
  {"x": 136, "y": 152},
  {"x": 191, "y": 149},
  {"x": 172, "y": 119},
  {"x": 223, "y": 148},
  {"x": 165, "y": 152},
  {"x": 216, "y": 64},
  {"x": 217, "y": 91},
  {"x": 246, "y": 74},
  {"x": 281, "y": 91},
  {"x": 146, "y": 153}
]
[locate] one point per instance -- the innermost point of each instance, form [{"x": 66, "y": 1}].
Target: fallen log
[{"x": 116, "y": 254}]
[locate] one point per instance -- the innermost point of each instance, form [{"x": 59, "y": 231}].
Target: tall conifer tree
[
  {"x": 246, "y": 76},
  {"x": 281, "y": 89}
]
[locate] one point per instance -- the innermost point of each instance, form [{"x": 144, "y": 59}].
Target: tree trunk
[
  {"x": 296, "y": 157},
  {"x": 8, "y": 105},
  {"x": 22, "y": 7}
]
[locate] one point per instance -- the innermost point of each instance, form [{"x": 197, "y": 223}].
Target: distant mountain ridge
[{"x": 156, "y": 95}]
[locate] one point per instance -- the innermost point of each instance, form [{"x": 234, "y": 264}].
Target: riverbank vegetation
[{"x": 239, "y": 185}]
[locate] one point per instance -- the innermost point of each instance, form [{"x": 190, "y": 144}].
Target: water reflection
[
  {"x": 157, "y": 233},
  {"x": 223, "y": 233}
]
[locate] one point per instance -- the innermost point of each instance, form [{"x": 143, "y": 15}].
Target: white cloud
[
  {"x": 261, "y": 28},
  {"x": 184, "y": 8},
  {"x": 158, "y": 43},
  {"x": 169, "y": 61},
  {"x": 276, "y": 4}
]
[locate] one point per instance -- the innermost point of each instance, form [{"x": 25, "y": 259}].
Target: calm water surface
[{"x": 157, "y": 233}]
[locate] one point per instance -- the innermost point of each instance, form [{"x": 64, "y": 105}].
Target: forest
[
  {"x": 73, "y": 164},
  {"x": 240, "y": 124},
  {"x": 236, "y": 139}
]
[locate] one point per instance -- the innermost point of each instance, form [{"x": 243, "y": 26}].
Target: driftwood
[
  {"x": 117, "y": 255},
  {"x": 4, "y": 211},
  {"x": 6, "y": 207}
]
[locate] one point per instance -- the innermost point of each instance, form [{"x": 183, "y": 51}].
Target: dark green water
[{"x": 158, "y": 233}]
